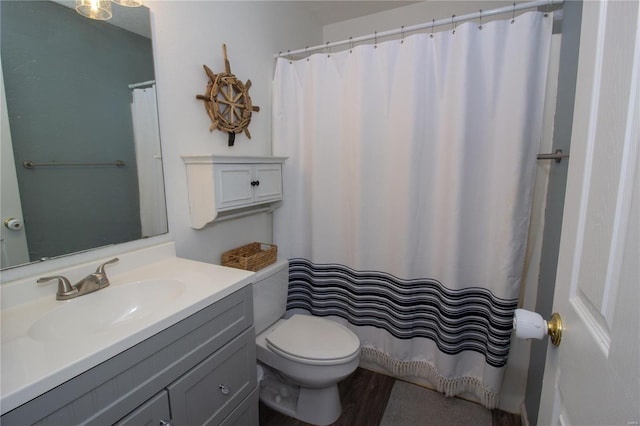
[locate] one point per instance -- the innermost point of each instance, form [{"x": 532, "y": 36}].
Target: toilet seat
[{"x": 314, "y": 340}]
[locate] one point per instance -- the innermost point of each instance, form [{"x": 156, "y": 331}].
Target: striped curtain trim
[{"x": 471, "y": 319}]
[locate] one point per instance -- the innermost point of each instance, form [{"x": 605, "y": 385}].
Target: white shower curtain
[
  {"x": 153, "y": 212},
  {"x": 408, "y": 191}
]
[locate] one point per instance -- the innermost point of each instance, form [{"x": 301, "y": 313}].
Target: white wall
[
  {"x": 514, "y": 384},
  {"x": 188, "y": 34}
]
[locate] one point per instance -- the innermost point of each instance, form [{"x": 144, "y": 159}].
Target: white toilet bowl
[
  {"x": 307, "y": 357},
  {"x": 304, "y": 357}
]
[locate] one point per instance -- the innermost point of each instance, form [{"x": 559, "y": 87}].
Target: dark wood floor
[{"x": 364, "y": 397}]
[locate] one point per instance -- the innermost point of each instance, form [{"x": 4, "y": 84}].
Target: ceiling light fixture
[
  {"x": 94, "y": 9},
  {"x": 101, "y": 9}
]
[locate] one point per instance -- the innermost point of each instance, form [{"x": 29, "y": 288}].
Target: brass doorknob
[{"x": 554, "y": 328}]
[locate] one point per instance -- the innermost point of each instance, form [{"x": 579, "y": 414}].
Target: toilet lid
[{"x": 314, "y": 340}]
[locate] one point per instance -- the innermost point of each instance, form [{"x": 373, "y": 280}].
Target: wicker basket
[{"x": 251, "y": 257}]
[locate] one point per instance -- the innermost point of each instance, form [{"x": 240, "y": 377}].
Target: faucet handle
[
  {"x": 100, "y": 269},
  {"x": 64, "y": 286}
]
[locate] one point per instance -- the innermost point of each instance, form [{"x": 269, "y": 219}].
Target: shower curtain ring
[
  {"x": 306, "y": 52},
  {"x": 328, "y": 50},
  {"x": 513, "y": 16},
  {"x": 402, "y": 34},
  {"x": 546, "y": 11},
  {"x": 480, "y": 26},
  {"x": 375, "y": 40},
  {"x": 350, "y": 44},
  {"x": 433, "y": 23},
  {"x": 289, "y": 56},
  {"x": 453, "y": 23}
]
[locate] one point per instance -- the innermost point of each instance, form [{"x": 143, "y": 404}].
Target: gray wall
[{"x": 66, "y": 81}]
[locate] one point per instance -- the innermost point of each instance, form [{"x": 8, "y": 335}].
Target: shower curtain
[
  {"x": 408, "y": 191},
  {"x": 144, "y": 112}
]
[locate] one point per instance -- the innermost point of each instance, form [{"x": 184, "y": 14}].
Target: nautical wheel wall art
[{"x": 227, "y": 101}]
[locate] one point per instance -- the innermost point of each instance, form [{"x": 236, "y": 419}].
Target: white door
[
  {"x": 593, "y": 377},
  {"x": 13, "y": 241}
]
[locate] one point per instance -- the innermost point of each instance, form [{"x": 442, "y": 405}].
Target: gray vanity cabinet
[{"x": 200, "y": 371}]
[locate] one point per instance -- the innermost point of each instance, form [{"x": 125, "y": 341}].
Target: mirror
[{"x": 81, "y": 107}]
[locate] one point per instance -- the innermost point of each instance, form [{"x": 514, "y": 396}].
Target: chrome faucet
[{"x": 88, "y": 284}]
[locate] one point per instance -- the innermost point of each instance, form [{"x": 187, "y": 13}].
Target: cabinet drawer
[
  {"x": 211, "y": 390},
  {"x": 151, "y": 413}
]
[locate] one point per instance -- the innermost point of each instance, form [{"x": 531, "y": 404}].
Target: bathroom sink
[
  {"x": 108, "y": 309},
  {"x": 47, "y": 342}
]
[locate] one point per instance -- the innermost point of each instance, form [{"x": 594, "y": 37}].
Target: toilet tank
[{"x": 270, "y": 287}]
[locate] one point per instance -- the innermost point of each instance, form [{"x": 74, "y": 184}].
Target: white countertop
[{"x": 30, "y": 367}]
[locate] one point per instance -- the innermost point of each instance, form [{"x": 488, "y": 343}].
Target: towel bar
[
  {"x": 30, "y": 164},
  {"x": 557, "y": 156}
]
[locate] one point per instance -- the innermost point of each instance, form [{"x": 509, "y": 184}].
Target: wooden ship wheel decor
[{"x": 227, "y": 101}]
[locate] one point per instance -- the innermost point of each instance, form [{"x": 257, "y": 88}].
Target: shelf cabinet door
[
  {"x": 233, "y": 185},
  {"x": 227, "y": 187},
  {"x": 152, "y": 413},
  {"x": 269, "y": 177},
  {"x": 242, "y": 185}
]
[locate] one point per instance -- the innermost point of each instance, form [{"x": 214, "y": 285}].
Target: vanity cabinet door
[
  {"x": 247, "y": 414},
  {"x": 152, "y": 413},
  {"x": 214, "y": 388}
]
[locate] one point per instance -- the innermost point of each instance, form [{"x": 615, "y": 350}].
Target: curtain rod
[{"x": 428, "y": 25}]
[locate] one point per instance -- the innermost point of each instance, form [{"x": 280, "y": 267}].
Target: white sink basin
[{"x": 106, "y": 310}]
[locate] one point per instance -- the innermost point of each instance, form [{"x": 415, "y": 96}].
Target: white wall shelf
[{"x": 226, "y": 187}]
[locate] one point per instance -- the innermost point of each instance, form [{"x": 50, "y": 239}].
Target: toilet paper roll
[{"x": 529, "y": 325}]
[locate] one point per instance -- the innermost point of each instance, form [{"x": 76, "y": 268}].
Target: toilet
[{"x": 302, "y": 357}]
